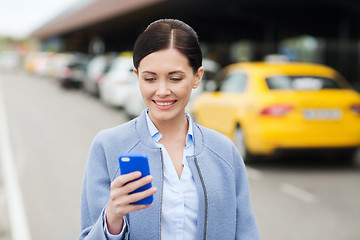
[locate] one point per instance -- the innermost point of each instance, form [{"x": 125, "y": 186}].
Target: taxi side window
[{"x": 235, "y": 82}]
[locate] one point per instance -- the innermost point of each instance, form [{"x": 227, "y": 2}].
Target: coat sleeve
[
  {"x": 95, "y": 193},
  {"x": 246, "y": 227}
]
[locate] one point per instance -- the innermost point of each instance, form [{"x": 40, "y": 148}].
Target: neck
[{"x": 173, "y": 127}]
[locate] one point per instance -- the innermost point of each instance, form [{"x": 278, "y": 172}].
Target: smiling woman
[
  {"x": 195, "y": 172},
  {"x": 166, "y": 89}
]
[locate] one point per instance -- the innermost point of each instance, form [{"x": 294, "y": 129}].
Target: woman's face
[{"x": 166, "y": 80}]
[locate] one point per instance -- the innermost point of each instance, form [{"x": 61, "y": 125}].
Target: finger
[
  {"x": 137, "y": 207},
  {"x": 125, "y": 178},
  {"x": 132, "y": 186},
  {"x": 114, "y": 209},
  {"x": 134, "y": 197},
  {"x": 120, "y": 194},
  {"x": 122, "y": 204}
]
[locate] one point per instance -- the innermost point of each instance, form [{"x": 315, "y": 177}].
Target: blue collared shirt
[
  {"x": 180, "y": 204},
  {"x": 180, "y": 197}
]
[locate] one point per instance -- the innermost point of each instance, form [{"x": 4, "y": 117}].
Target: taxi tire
[
  {"x": 346, "y": 157},
  {"x": 239, "y": 141}
]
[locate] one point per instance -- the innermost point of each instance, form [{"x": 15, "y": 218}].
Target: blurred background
[{"x": 66, "y": 73}]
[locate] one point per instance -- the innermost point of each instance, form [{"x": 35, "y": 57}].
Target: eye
[
  {"x": 149, "y": 79},
  {"x": 176, "y": 79}
]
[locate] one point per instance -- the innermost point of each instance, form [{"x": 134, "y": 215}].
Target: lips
[{"x": 164, "y": 104}]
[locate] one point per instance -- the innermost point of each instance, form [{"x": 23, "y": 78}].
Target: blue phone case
[{"x": 132, "y": 162}]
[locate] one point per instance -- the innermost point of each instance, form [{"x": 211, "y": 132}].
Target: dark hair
[{"x": 167, "y": 33}]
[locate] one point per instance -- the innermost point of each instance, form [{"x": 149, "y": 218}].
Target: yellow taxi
[{"x": 266, "y": 108}]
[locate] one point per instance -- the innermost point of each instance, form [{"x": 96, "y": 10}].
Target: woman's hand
[{"x": 119, "y": 203}]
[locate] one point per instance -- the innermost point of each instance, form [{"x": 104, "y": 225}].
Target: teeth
[{"x": 164, "y": 103}]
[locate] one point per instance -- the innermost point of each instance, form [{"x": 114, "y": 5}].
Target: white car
[
  {"x": 114, "y": 88},
  {"x": 135, "y": 105},
  {"x": 97, "y": 68}
]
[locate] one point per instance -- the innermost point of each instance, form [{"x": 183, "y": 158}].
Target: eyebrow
[
  {"x": 174, "y": 72},
  {"x": 149, "y": 72},
  {"x": 170, "y": 73}
]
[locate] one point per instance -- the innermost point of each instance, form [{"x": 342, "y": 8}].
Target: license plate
[{"x": 322, "y": 114}]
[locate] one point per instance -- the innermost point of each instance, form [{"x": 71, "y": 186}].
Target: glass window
[
  {"x": 235, "y": 82},
  {"x": 301, "y": 83}
]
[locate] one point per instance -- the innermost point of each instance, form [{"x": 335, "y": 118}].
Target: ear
[
  {"x": 136, "y": 72},
  {"x": 198, "y": 77}
]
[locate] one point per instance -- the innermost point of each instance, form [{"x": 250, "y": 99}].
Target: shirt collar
[{"x": 156, "y": 135}]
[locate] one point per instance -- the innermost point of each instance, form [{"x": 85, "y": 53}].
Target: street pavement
[
  {"x": 51, "y": 130},
  {"x": 4, "y": 222}
]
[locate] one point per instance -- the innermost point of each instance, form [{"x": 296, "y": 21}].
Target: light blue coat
[{"x": 225, "y": 211}]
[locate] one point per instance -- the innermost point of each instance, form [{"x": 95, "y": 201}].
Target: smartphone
[{"x": 132, "y": 162}]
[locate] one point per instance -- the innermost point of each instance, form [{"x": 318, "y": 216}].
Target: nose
[{"x": 163, "y": 89}]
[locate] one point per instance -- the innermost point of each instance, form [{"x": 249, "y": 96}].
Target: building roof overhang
[{"x": 93, "y": 12}]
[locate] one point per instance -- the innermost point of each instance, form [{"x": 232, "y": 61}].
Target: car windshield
[{"x": 301, "y": 83}]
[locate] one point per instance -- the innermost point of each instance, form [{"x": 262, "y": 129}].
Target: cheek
[
  {"x": 187, "y": 88},
  {"x": 144, "y": 90},
  {"x": 184, "y": 91}
]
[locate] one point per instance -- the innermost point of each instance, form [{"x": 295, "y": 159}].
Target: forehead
[{"x": 165, "y": 60}]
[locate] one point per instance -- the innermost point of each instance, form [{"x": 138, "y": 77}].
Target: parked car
[
  {"x": 97, "y": 68},
  {"x": 29, "y": 61},
  {"x": 267, "y": 108},
  {"x": 57, "y": 64},
  {"x": 42, "y": 63},
  {"x": 73, "y": 72},
  {"x": 135, "y": 105},
  {"x": 114, "y": 86}
]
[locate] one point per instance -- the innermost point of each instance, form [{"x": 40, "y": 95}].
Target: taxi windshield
[{"x": 301, "y": 83}]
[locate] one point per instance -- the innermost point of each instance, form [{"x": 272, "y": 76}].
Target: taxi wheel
[
  {"x": 239, "y": 140},
  {"x": 346, "y": 157}
]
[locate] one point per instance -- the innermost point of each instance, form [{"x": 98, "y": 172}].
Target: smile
[{"x": 165, "y": 103}]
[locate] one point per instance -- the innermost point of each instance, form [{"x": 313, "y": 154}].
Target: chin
[{"x": 163, "y": 115}]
